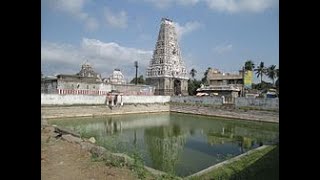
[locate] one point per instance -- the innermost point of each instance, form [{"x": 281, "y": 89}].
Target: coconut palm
[
  {"x": 249, "y": 65},
  {"x": 260, "y": 70},
  {"x": 272, "y": 73},
  {"x": 204, "y": 79},
  {"x": 193, "y": 73}
]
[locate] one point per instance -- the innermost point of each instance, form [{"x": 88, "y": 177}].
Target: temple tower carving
[{"x": 166, "y": 70}]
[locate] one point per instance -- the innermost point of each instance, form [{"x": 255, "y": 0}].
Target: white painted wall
[
  {"x": 56, "y": 99},
  {"x": 197, "y": 100},
  {"x": 68, "y": 99},
  {"x": 264, "y": 103},
  {"x": 145, "y": 99}
]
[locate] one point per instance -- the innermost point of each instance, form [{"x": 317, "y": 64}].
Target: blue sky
[{"x": 113, "y": 34}]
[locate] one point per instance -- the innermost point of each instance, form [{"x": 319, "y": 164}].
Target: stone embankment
[
  {"x": 254, "y": 115},
  {"x": 48, "y": 112}
]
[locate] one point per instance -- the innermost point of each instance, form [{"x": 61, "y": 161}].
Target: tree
[
  {"x": 193, "y": 85},
  {"x": 140, "y": 80},
  {"x": 272, "y": 73},
  {"x": 277, "y": 81},
  {"x": 260, "y": 70},
  {"x": 204, "y": 79},
  {"x": 193, "y": 73},
  {"x": 249, "y": 65}
]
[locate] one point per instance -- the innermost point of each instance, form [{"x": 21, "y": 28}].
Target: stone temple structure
[
  {"x": 166, "y": 70},
  {"x": 116, "y": 77}
]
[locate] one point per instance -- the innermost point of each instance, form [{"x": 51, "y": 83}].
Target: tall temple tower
[{"x": 167, "y": 71}]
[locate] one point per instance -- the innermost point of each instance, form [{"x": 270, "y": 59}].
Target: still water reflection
[{"x": 175, "y": 143}]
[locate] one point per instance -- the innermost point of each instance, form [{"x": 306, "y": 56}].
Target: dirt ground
[{"x": 62, "y": 160}]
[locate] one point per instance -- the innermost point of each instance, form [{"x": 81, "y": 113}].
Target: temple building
[
  {"x": 88, "y": 82},
  {"x": 87, "y": 71},
  {"x": 166, "y": 71},
  {"x": 115, "y": 78}
]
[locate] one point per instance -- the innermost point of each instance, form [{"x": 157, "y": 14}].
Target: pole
[
  {"x": 136, "y": 75},
  {"x": 243, "y": 72},
  {"x": 136, "y": 65}
]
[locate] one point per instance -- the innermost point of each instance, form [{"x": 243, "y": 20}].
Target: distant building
[
  {"x": 167, "y": 72},
  {"x": 223, "y": 84},
  {"x": 49, "y": 84},
  {"x": 115, "y": 78},
  {"x": 87, "y": 71},
  {"x": 88, "y": 82}
]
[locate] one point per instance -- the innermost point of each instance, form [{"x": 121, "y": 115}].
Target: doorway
[{"x": 177, "y": 87}]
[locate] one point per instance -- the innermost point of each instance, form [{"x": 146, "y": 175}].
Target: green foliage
[
  {"x": 114, "y": 161},
  {"x": 249, "y": 65},
  {"x": 138, "y": 165},
  {"x": 261, "y": 163},
  {"x": 193, "y": 73},
  {"x": 193, "y": 85},
  {"x": 167, "y": 176},
  {"x": 204, "y": 79},
  {"x": 260, "y": 71},
  {"x": 272, "y": 72},
  {"x": 141, "y": 80},
  {"x": 264, "y": 86}
]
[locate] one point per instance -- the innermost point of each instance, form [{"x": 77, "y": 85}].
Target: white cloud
[
  {"x": 235, "y": 6},
  {"x": 160, "y": 3},
  {"x": 187, "y": 2},
  {"x": 75, "y": 9},
  {"x": 231, "y": 6},
  {"x": 187, "y": 28},
  {"x": 104, "y": 56},
  {"x": 91, "y": 23},
  {"x": 220, "y": 49},
  {"x": 70, "y": 6},
  {"x": 167, "y": 3},
  {"x": 116, "y": 20}
]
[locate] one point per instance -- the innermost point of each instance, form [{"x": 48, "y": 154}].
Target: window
[{"x": 87, "y": 86}]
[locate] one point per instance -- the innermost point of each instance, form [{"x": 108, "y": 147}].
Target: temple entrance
[{"x": 177, "y": 87}]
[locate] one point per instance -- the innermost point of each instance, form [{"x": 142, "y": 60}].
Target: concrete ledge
[
  {"x": 225, "y": 116},
  {"x": 211, "y": 168},
  {"x": 92, "y": 111}
]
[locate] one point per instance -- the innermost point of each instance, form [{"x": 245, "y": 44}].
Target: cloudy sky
[{"x": 113, "y": 34}]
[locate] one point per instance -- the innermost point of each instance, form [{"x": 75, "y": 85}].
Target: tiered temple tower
[{"x": 167, "y": 71}]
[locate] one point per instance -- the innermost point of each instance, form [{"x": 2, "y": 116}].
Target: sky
[{"x": 112, "y": 34}]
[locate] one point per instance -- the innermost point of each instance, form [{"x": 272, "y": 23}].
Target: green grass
[{"x": 261, "y": 164}]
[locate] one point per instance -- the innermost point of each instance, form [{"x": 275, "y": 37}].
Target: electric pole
[
  {"x": 136, "y": 65},
  {"x": 243, "y": 73}
]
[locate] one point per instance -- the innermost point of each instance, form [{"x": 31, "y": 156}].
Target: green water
[{"x": 178, "y": 144}]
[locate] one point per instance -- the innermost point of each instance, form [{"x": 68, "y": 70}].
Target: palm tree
[
  {"x": 249, "y": 65},
  {"x": 193, "y": 73},
  {"x": 272, "y": 72},
  {"x": 204, "y": 79},
  {"x": 260, "y": 70}
]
